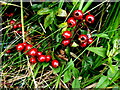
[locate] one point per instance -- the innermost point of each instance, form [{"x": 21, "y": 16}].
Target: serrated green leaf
[
  {"x": 45, "y": 64},
  {"x": 56, "y": 70},
  {"x": 44, "y": 11},
  {"x": 98, "y": 50},
  {"x": 102, "y": 35},
  {"x": 49, "y": 19},
  {"x": 61, "y": 13},
  {"x": 67, "y": 76},
  {"x": 112, "y": 73},
  {"x": 76, "y": 83},
  {"x": 103, "y": 82},
  {"x": 75, "y": 72},
  {"x": 70, "y": 64}
]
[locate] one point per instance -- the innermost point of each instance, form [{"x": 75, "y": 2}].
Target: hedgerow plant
[{"x": 60, "y": 44}]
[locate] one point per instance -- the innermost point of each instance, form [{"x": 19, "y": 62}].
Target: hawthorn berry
[
  {"x": 28, "y": 46},
  {"x": 19, "y": 25},
  {"x": 24, "y": 43},
  {"x": 55, "y": 63},
  {"x": 42, "y": 58},
  {"x": 48, "y": 58},
  {"x": 33, "y": 60},
  {"x": 67, "y": 34},
  {"x": 90, "y": 40},
  {"x": 71, "y": 22},
  {"x": 39, "y": 53},
  {"x": 82, "y": 38},
  {"x": 78, "y": 14},
  {"x": 12, "y": 22},
  {"x": 20, "y": 47},
  {"x": 15, "y": 26},
  {"x": 83, "y": 44},
  {"x": 90, "y": 19},
  {"x": 66, "y": 42},
  {"x": 8, "y": 51},
  {"x": 33, "y": 52}
]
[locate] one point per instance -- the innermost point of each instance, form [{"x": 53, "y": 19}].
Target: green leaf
[
  {"x": 36, "y": 7},
  {"x": 103, "y": 82},
  {"x": 74, "y": 44},
  {"x": 61, "y": 13},
  {"x": 56, "y": 70},
  {"x": 44, "y": 11},
  {"x": 76, "y": 83},
  {"x": 70, "y": 64},
  {"x": 67, "y": 51},
  {"x": 98, "y": 50},
  {"x": 117, "y": 57},
  {"x": 112, "y": 73},
  {"x": 75, "y": 72},
  {"x": 102, "y": 35},
  {"x": 67, "y": 76},
  {"x": 45, "y": 64},
  {"x": 49, "y": 20}
]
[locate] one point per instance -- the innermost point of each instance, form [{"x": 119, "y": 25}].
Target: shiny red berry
[
  {"x": 90, "y": 40},
  {"x": 84, "y": 44},
  {"x": 28, "y": 46},
  {"x": 12, "y": 22},
  {"x": 39, "y": 53},
  {"x": 71, "y": 22},
  {"x": 41, "y": 58},
  {"x": 33, "y": 60},
  {"x": 24, "y": 43},
  {"x": 8, "y": 51},
  {"x": 10, "y": 14},
  {"x": 78, "y": 14},
  {"x": 55, "y": 63},
  {"x": 66, "y": 42},
  {"x": 67, "y": 34},
  {"x": 19, "y": 25},
  {"x": 20, "y": 47},
  {"x": 15, "y": 26},
  {"x": 90, "y": 19},
  {"x": 82, "y": 38},
  {"x": 33, "y": 52},
  {"x": 48, "y": 58}
]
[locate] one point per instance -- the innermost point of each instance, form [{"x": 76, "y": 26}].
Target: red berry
[
  {"x": 15, "y": 26},
  {"x": 33, "y": 52},
  {"x": 25, "y": 44},
  {"x": 78, "y": 14},
  {"x": 55, "y": 63},
  {"x": 67, "y": 34},
  {"x": 28, "y": 46},
  {"x": 20, "y": 47},
  {"x": 12, "y": 22},
  {"x": 90, "y": 19},
  {"x": 33, "y": 60},
  {"x": 82, "y": 38},
  {"x": 8, "y": 51},
  {"x": 71, "y": 22},
  {"x": 84, "y": 44},
  {"x": 39, "y": 53},
  {"x": 19, "y": 25},
  {"x": 66, "y": 42},
  {"x": 42, "y": 58},
  {"x": 11, "y": 14},
  {"x": 90, "y": 40},
  {"x": 48, "y": 58}
]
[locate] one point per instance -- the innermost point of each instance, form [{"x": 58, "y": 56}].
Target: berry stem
[{"x": 22, "y": 21}]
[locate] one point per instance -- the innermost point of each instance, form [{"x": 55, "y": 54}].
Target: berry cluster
[
  {"x": 78, "y": 15},
  {"x": 84, "y": 40},
  {"x": 35, "y": 55},
  {"x": 72, "y": 21}
]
